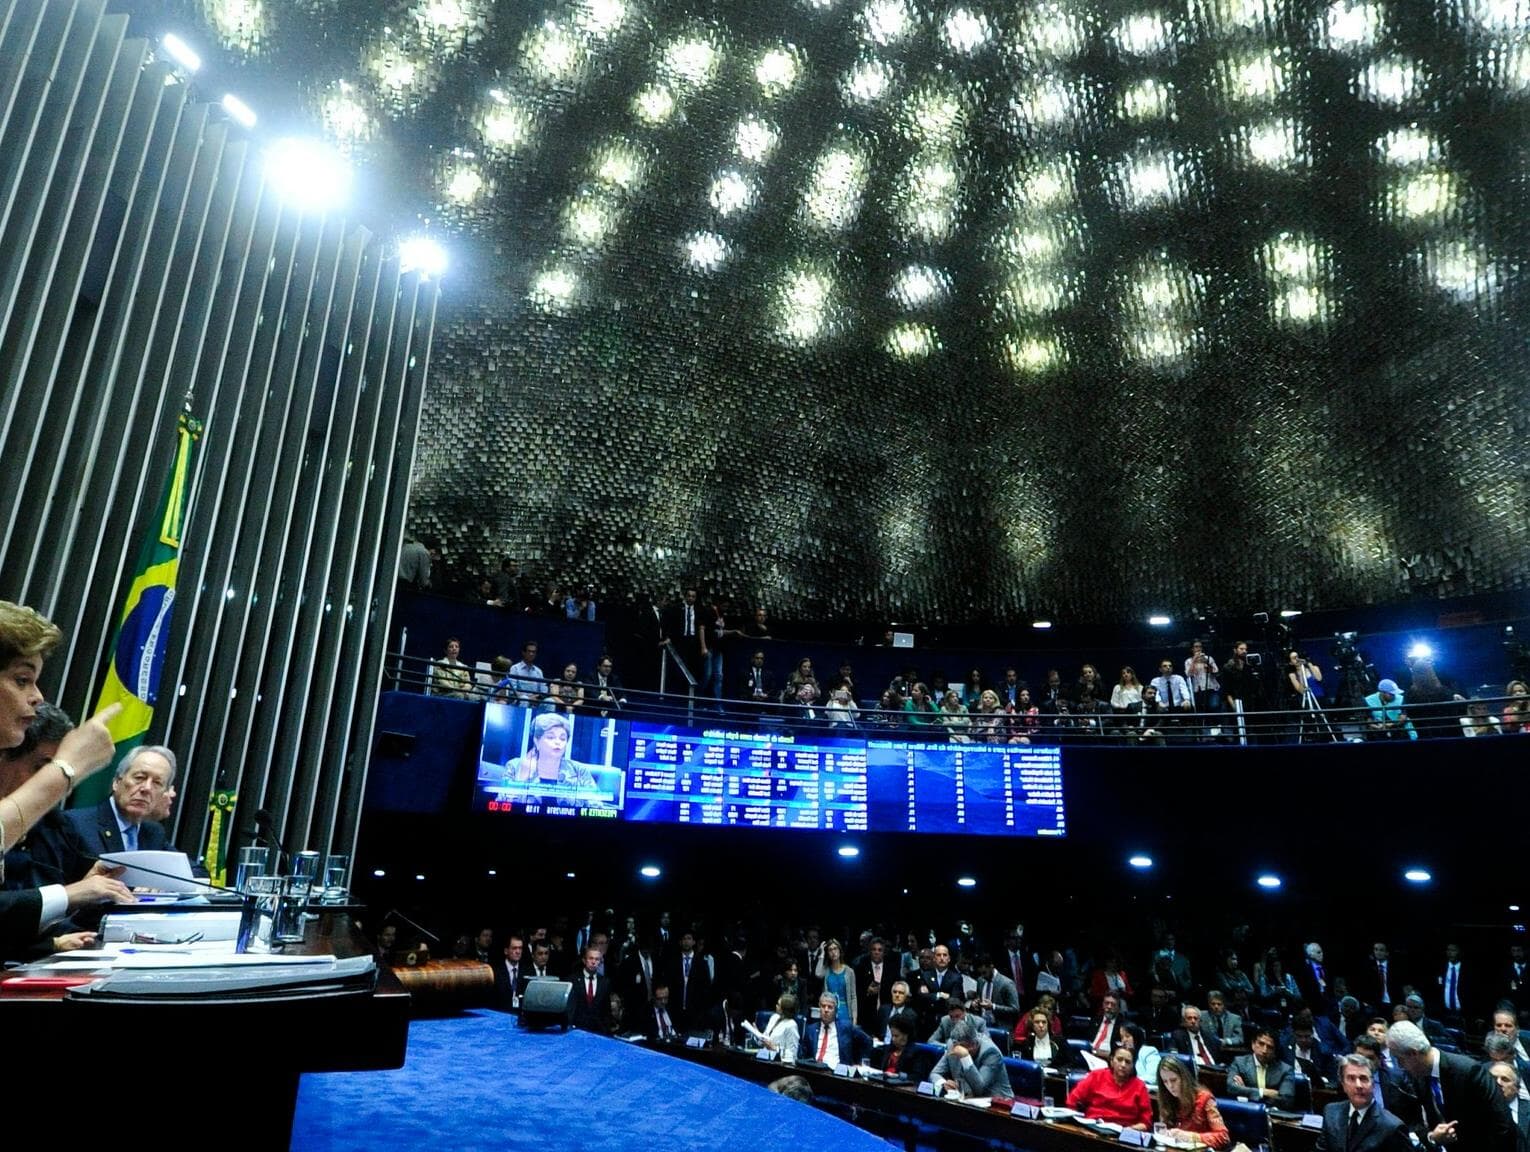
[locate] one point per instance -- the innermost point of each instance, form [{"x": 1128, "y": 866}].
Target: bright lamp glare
[
  {"x": 966, "y": 882},
  {"x": 422, "y": 254},
  {"x": 179, "y": 51},
  {"x": 1043, "y": 625},
  {"x": 1288, "y": 613},
  {"x": 1417, "y": 876},
  {"x": 1140, "y": 861},
  {"x": 1420, "y": 651},
  {"x": 1160, "y": 621},
  {"x": 650, "y": 871},
  {"x": 240, "y": 112},
  {"x": 1268, "y": 880},
  {"x": 308, "y": 174},
  {"x": 849, "y": 851}
]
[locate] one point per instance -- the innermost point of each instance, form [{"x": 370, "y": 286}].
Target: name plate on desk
[
  {"x": 926, "y": 1088},
  {"x": 841, "y": 1069},
  {"x": 1134, "y": 1138},
  {"x": 765, "y": 1054},
  {"x": 695, "y": 1041},
  {"x": 1025, "y": 1111},
  {"x": 1312, "y": 1120}
]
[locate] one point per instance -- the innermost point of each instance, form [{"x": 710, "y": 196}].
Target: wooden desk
[
  {"x": 228, "y": 1063},
  {"x": 899, "y": 1110}
]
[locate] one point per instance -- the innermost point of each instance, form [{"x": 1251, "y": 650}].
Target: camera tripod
[{"x": 1311, "y": 714}]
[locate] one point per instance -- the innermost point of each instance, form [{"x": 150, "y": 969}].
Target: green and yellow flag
[{"x": 138, "y": 656}]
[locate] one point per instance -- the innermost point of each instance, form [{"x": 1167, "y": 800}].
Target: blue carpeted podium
[{"x": 479, "y": 1082}]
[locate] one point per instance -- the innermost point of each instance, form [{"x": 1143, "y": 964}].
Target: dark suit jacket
[
  {"x": 97, "y": 829},
  {"x": 1316, "y": 998},
  {"x": 950, "y": 982},
  {"x": 743, "y": 684},
  {"x": 1380, "y": 1131},
  {"x": 1181, "y": 1041},
  {"x": 1061, "y": 1053},
  {"x": 1523, "y": 1126},
  {"x": 19, "y": 914},
  {"x": 913, "y": 1063},
  {"x": 689, "y": 1005},
  {"x": 1366, "y": 983},
  {"x": 629, "y": 980},
  {"x": 1473, "y": 1101},
  {"x": 502, "y": 997},
  {"x": 853, "y": 1043},
  {"x": 688, "y": 648},
  {"x": 868, "y": 1005},
  {"x": 1279, "y": 1076},
  {"x": 591, "y": 1015},
  {"x": 651, "y": 1023}
]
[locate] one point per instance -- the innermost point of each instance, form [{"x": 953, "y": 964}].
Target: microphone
[
  {"x": 422, "y": 931},
  {"x": 265, "y": 827}
]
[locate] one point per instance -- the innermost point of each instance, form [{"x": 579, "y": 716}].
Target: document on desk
[
  {"x": 185, "y": 956},
  {"x": 355, "y": 974}
]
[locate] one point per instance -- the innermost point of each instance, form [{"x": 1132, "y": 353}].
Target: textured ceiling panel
[{"x": 952, "y": 311}]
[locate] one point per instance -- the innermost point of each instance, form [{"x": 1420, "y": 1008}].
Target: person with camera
[
  {"x": 1387, "y": 720},
  {"x": 1240, "y": 686}
]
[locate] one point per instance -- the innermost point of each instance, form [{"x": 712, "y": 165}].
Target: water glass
[
  {"x": 295, "y": 891},
  {"x": 335, "y": 869},
  {"x": 251, "y": 862},
  {"x": 262, "y": 897}
]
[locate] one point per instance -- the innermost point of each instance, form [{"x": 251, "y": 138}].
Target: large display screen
[{"x": 556, "y": 765}]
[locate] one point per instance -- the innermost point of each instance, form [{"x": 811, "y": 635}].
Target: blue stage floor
[{"x": 478, "y": 1082}]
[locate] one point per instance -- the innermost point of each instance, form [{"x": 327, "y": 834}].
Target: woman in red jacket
[{"x": 1115, "y": 1093}]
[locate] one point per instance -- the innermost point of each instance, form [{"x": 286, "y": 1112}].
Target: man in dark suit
[
  {"x": 685, "y": 631},
  {"x": 511, "y": 975},
  {"x": 1357, "y": 1123},
  {"x": 1506, "y": 1024},
  {"x": 591, "y": 1000},
  {"x": 658, "y": 1024},
  {"x": 756, "y": 683},
  {"x": 1462, "y": 1104},
  {"x": 1311, "y": 1056},
  {"x": 1513, "y": 983},
  {"x": 943, "y": 980},
  {"x": 997, "y": 1001},
  {"x": 1377, "y": 981},
  {"x": 972, "y": 1065},
  {"x": 1105, "y": 1031},
  {"x": 1389, "y": 1086},
  {"x": 690, "y": 984},
  {"x": 1507, "y": 1078},
  {"x": 121, "y": 822},
  {"x": 899, "y": 1003},
  {"x": 1457, "y": 989},
  {"x": 1190, "y": 1039},
  {"x": 1217, "y": 1021},
  {"x": 831, "y": 1040},
  {"x": 1262, "y": 1075},
  {"x": 1313, "y": 980},
  {"x": 874, "y": 977},
  {"x": 636, "y": 974}
]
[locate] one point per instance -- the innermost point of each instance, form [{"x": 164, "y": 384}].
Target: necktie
[
  {"x": 690, "y": 622},
  {"x": 1450, "y": 989},
  {"x": 823, "y": 1042},
  {"x": 1217, "y": 1022},
  {"x": 1018, "y": 967},
  {"x": 515, "y": 988},
  {"x": 663, "y": 1024},
  {"x": 1103, "y": 1036},
  {"x": 130, "y": 837},
  {"x": 1205, "y": 1056},
  {"x": 589, "y": 992},
  {"x": 1354, "y": 1128},
  {"x": 1438, "y": 1096},
  {"x": 1259, "y": 1076}
]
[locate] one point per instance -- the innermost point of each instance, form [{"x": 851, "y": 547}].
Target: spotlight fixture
[
  {"x": 966, "y": 882},
  {"x": 1417, "y": 876},
  {"x": 181, "y": 52},
  {"x": 1268, "y": 881},
  {"x": 238, "y": 111},
  {"x": 308, "y": 174},
  {"x": 419, "y": 253},
  {"x": 848, "y": 851},
  {"x": 1140, "y": 861},
  {"x": 1160, "y": 621},
  {"x": 650, "y": 871}
]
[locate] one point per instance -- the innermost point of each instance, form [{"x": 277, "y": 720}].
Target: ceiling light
[
  {"x": 1140, "y": 861},
  {"x": 422, "y": 254},
  {"x": 179, "y": 51},
  {"x": 1041, "y": 624},
  {"x": 1417, "y": 876},
  {"x": 848, "y": 851},
  {"x": 308, "y": 174},
  {"x": 650, "y": 871},
  {"x": 1268, "y": 880},
  {"x": 1160, "y": 621},
  {"x": 238, "y": 111},
  {"x": 966, "y": 882}
]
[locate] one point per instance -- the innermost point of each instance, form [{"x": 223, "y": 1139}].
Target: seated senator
[
  {"x": 781, "y": 1033},
  {"x": 899, "y": 1056},
  {"x": 972, "y": 1064},
  {"x": 1189, "y": 1110},
  {"x": 1115, "y": 1093}
]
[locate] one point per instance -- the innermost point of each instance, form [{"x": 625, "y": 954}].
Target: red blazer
[
  {"x": 1099, "y": 1097},
  {"x": 1205, "y": 1121},
  {"x": 1098, "y": 986}
]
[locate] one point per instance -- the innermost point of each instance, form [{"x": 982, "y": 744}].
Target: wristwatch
[{"x": 69, "y": 774}]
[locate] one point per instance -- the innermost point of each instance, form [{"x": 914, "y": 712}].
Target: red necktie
[
  {"x": 1100, "y": 1040},
  {"x": 823, "y": 1042},
  {"x": 892, "y": 1063},
  {"x": 589, "y": 992},
  {"x": 1205, "y": 1055}
]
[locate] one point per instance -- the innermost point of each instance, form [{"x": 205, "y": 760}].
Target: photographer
[
  {"x": 1240, "y": 686},
  {"x": 1387, "y": 720}
]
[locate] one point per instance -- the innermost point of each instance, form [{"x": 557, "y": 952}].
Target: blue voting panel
[{"x": 547, "y": 764}]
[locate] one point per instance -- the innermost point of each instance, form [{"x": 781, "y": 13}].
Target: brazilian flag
[{"x": 138, "y": 656}]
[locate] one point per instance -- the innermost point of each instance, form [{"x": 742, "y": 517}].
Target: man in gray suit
[
  {"x": 1261, "y": 1075},
  {"x": 997, "y": 1000},
  {"x": 1219, "y": 1024},
  {"x": 971, "y": 1066},
  {"x": 1357, "y": 1123},
  {"x": 955, "y": 1014}
]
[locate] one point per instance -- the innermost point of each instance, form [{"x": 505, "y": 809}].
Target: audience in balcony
[{"x": 450, "y": 677}]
